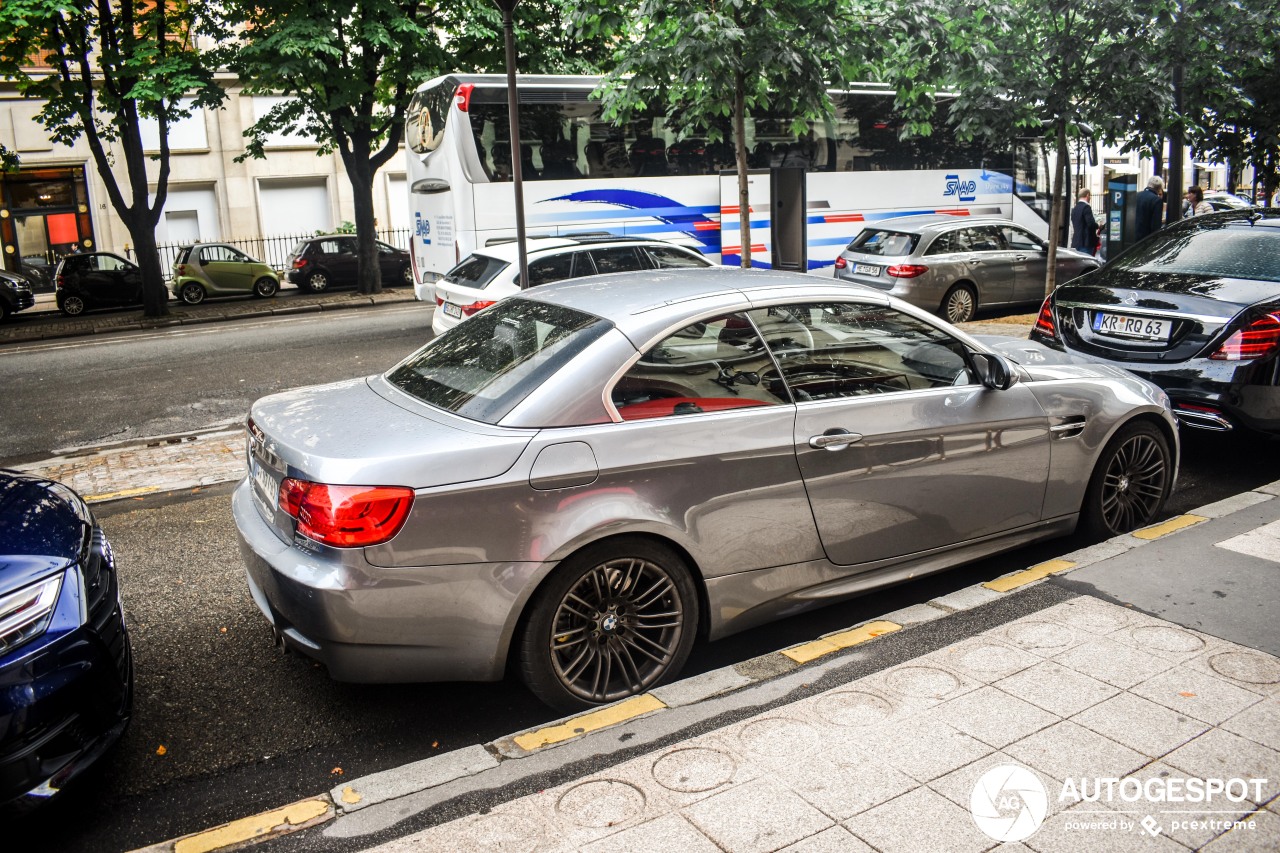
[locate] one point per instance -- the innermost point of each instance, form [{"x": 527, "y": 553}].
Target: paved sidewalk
[
  {"x": 904, "y": 759},
  {"x": 25, "y": 326}
]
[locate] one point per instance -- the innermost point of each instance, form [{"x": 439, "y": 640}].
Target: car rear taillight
[
  {"x": 181, "y": 269},
  {"x": 462, "y": 96},
  {"x": 1044, "y": 323},
  {"x": 907, "y": 270},
  {"x": 475, "y": 307},
  {"x": 346, "y": 516},
  {"x": 841, "y": 263},
  {"x": 439, "y": 300},
  {"x": 299, "y": 263},
  {"x": 1257, "y": 340},
  {"x": 60, "y": 283}
]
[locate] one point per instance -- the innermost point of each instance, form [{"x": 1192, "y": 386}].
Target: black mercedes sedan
[
  {"x": 1195, "y": 308},
  {"x": 66, "y": 670}
]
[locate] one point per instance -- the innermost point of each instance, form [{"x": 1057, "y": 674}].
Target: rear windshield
[
  {"x": 482, "y": 368},
  {"x": 876, "y": 241},
  {"x": 1226, "y": 250},
  {"x": 183, "y": 254},
  {"x": 476, "y": 271}
]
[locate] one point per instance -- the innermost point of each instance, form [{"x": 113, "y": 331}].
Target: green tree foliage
[
  {"x": 1045, "y": 67},
  {"x": 702, "y": 61},
  {"x": 348, "y": 69},
  {"x": 102, "y": 70}
]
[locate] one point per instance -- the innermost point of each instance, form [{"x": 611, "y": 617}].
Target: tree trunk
[
  {"x": 1055, "y": 210},
  {"x": 1176, "y": 187},
  {"x": 360, "y": 173},
  {"x": 740, "y": 146},
  {"x": 155, "y": 295}
]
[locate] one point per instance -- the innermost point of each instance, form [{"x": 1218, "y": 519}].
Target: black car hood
[
  {"x": 1206, "y": 295},
  {"x": 43, "y": 527}
]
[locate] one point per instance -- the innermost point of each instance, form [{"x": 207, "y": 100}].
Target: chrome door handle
[{"x": 834, "y": 439}]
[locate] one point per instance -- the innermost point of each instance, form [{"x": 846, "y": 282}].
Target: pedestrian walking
[
  {"x": 1195, "y": 201},
  {"x": 1084, "y": 227},
  {"x": 1150, "y": 208}
]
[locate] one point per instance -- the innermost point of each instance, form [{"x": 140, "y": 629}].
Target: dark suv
[
  {"x": 15, "y": 293},
  {"x": 330, "y": 261}
]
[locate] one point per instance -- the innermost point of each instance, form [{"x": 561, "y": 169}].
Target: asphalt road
[
  {"x": 87, "y": 391},
  {"x": 225, "y": 725}
]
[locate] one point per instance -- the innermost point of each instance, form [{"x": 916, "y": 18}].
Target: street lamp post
[{"x": 513, "y": 112}]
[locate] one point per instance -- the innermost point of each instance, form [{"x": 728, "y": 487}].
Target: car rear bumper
[
  {"x": 1218, "y": 395},
  {"x": 368, "y": 623}
]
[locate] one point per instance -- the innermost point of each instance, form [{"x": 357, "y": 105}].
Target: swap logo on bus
[
  {"x": 422, "y": 227},
  {"x": 966, "y": 190},
  {"x": 1010, "y": 803}
]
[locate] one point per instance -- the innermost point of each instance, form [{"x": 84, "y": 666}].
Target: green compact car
[{"x": 216, "y": 269}]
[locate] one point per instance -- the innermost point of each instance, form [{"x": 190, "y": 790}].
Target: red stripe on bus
[{"x": 844, "y": 217}]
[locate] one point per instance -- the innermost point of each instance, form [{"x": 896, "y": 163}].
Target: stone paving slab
[{"x": 892, "y": 761}]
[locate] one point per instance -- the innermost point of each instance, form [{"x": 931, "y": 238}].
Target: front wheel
[
  {"x": 407, "y": 275},
  {"x": 1130, "y": 483},
  {"x": 265, "y": 287},
  {"x": 960, "y": 304},
  {"x": 612, "y": 621},
  {"x": 192, "y": 293}
]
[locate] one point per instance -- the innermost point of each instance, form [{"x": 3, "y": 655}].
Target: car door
[
  {"x": 1028, "y": 265},
  {"x": 343, "y": 262},
  {"x": 902, "y": 451},
  {"x": 389, "y": 263},
  {"x": 226, "y": 270},
  {"x": 990, "y": 264},
  {"x": 113, "y": 281}
]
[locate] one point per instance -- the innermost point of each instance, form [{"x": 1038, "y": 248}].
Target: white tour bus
[{"x": 583, "y": 174}]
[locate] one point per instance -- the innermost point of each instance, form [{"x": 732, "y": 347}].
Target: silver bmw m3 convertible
[{"x": 581, "y": 480}]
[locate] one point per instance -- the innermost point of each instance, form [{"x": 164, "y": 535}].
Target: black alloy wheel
[
  {"x": 613, "y": 621},
  {"x": 265, "y": 287},
  {"x": 192, "y": 293},
  {"x": 1130, "y": 483}
]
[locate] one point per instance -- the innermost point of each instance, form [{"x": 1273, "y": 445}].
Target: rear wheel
[
  {"x": 265, "y": 287},
  {"x": 612, "y": 621},
  {"x": 1130, "y": 483},
  {"x": 192, "y": 293},
  {"x": 407, "y": 275},
  {"x": 71, "y": 305},
  {"x": 317, "y": 282},
  {"x": 960, "y": 304}
]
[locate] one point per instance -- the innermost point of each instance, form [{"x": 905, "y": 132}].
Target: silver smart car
[
  {"x": 954, "y": 265},
  {"x": 584, "y": 477}
]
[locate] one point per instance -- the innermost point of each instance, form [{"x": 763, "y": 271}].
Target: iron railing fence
[{"x": 275, "y": 249}]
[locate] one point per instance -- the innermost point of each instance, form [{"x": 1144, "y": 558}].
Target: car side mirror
[{"x": 994, "y": 371}]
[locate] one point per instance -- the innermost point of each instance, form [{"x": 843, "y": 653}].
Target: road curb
[{"x": 479, "y": 760}]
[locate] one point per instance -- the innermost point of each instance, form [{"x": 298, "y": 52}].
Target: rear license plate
[
  {"x": 1140, "y": 328},
  {"x": 452, "y": 310},
  {"x": 866, "y": 269},
  {"x": 266, "y": 488}
]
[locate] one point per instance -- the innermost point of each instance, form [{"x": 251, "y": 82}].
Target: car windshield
[
  {"x": 482, "y": 368},
  {"x": 876, "y": 241},
  {"x": 1226, "y": 250},
  {"x": 476, "y": 271}
]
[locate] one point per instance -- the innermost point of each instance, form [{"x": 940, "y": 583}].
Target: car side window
[
  {"x": 1018, "y": 239},
  {"x": 833, "y": 350},
  {"x": 217, "y": 253},
  {"x": 620, "y": 259},
  {"x": 944, "y": 244},
  {"x": 582, "y": 265},
  {"x": 667, "y": 257},
  {"x": 384, "y": 249},
  {"x": 330, "y": 247},
  {"x": 347, "y": 246},
  {"x": 106, "y": 263},
  {"x": 709, "y": 366},
  {"x": 985, "y": 239},
  {"x": 547, "y": 270}
]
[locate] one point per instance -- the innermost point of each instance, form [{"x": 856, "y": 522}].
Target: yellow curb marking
[
  {"x": 110, "y": 496},
  {"x": 605, "y": 717},
  {"x": 276, "y": 822},
  {"x": 1026, "y": 576},
  {"x": 806, "y": 652},
  {"x": 1164, "y": 528},
  {"x": 349, "y": 796}
]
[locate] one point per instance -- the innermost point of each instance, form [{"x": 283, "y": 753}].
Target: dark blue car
[{"x": 66, "y": 670}]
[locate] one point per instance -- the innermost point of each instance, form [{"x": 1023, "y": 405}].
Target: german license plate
[
  {"x": 1123, "y": 326},
  {"x": 265, "y": 486},
  {"x": 452, "y": 310},
  {"x": 866, "y": 269}
]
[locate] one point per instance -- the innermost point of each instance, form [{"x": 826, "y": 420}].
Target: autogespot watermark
[{"x": 1010, "y": 803}]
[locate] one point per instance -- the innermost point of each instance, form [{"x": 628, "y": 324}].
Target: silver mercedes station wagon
[{"x": 584, "y": 478}]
